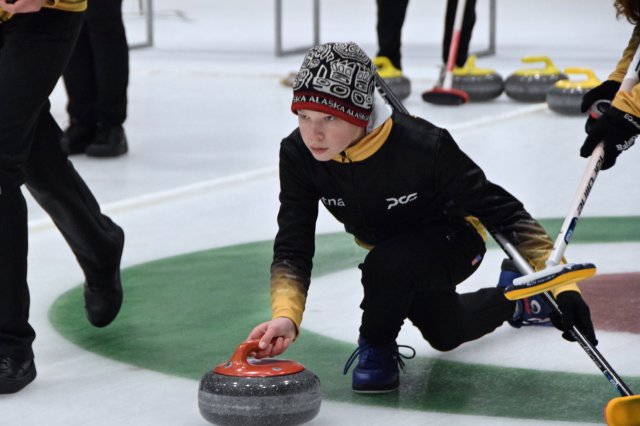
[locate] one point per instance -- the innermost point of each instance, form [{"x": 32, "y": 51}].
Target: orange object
[
  {"x": 623, "y": 411},
  {"x": 240, "y": 365}
]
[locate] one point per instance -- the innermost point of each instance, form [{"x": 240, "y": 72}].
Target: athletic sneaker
[
  {"x": 529, "y": 311},
  {"x": 377, "y": 370}
]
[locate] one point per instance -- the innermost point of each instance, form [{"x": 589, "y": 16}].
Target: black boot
[
  {"x": 102, "y": 304},
  {"x": 109, "y": 141},
  {"x": 77, "y": 137},
  {"x": 103, "y": 293},
  {"x": 15, "y": 375}
]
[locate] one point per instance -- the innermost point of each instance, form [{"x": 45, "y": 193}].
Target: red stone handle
[{"x": 239, "y": 364}]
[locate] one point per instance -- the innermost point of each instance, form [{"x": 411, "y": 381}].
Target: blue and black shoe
[
  {"x": 378, "y": 367},
  {"x": 529, "y": 311}
]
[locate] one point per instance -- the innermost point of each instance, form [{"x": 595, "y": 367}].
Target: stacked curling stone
[
  {"x": 399, "y": 84},
  {"x": 565, "y": 96},
  {"x": 481, "y": 84},
  {"x": 266, "y": 392},
  {"x": 532, "y": 85}
]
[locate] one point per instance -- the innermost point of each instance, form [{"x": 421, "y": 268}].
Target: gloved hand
[
  {"x": 574, "y": 312},
  {"x": 617, "y": 129},
  {"x": 605, "y": 91}
]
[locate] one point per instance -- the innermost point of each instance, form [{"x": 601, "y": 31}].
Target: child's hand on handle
[{"x": 275, "y": 336}]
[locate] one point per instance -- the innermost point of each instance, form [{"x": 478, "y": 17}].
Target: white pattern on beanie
[{"x": 337, "y": 79}]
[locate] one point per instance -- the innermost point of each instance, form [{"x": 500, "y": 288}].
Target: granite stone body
[
  {"x": 530, "y": 88},
  {"x": 245, "y": 401},
  {"x": 480, "y": 87}
]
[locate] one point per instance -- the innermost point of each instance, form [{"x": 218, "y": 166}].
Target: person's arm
[
  {"x": 619, "y": 125},
  {"x": 466, "y": 184},
  {"x": 623, "y": 64},
  {"x": 294, "y": 248}
]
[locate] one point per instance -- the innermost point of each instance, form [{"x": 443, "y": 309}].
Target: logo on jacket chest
[
  {"x": 402, "y": 200},
  {"x": 332, "y": 202}
]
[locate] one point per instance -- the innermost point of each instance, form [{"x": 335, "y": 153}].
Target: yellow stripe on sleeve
[{"x": 288, "y": 297}]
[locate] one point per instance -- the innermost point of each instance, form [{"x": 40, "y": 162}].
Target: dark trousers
[
  {"x": 391, "y": 15},
  {"x": 97, "y": 75},
  {"x": 34, "y": 49},
  {"x": 414, "y": 276}
]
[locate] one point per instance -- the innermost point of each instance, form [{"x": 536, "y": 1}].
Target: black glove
[
  {"x": 605, "y": 91},
  {"x": 617, "y": 129},
  {"x": 574, "y": 312}
]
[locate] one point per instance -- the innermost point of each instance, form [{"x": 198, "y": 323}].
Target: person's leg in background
[
  {"x": 391, "y": 15},
  {"x": 388, "y": 61},
  {"x": 34, "y": 50},
  {"x": 468, "y": 22},
  {"x": 80, "y": 82},
  {"x": 97, "y": 79},
  {"x": 94, "y": 239}
]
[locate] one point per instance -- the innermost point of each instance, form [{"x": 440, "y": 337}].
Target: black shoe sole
[
  {"x": 374, "y": 389},
  {"x": 105, "y": 152}
]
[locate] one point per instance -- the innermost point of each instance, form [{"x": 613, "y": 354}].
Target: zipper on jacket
[{"x": 356, "y": 194}]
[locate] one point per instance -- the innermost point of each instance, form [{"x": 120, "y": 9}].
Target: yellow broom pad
[{"x": 549, "y": 279}]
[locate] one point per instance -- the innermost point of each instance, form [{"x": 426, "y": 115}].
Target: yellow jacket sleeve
[
  {"x": 68, "y": 5},
  {"x": 623, "y": 64},
  {"x": 288, "y": 295},
  {"x": 627, "y": 101}
]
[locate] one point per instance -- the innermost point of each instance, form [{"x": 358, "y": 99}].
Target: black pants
[
  {"x": 97, "y": 75},
  {"x": 391, "y": 14},
  {"x": 34, "y": 49},
  {"x": 414, "y": 276}
]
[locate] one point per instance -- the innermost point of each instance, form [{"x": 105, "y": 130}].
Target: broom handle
[
  {"x": 455, "y": 43},
  {"x": 595, "y": 355},
  {"x": 577, "y": 204},
  {"x": 591, "y": 172}
]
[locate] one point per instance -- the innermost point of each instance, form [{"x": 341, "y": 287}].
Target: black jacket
[{"x": 418, "y": 175}]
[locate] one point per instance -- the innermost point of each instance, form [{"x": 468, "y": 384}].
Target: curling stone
[
  {"x": 565, "y": 96},
  {"x": 531, "y": 85},
  {"x": 399, "y": 84},
  {"x": 481, "y": 84},
  {"x": 264, "y": 392}
]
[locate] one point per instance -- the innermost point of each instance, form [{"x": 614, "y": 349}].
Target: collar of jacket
[{"x": 367, "y": 146}]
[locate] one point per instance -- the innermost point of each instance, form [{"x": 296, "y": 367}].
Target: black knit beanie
[{"x": 337, "y": 79}]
